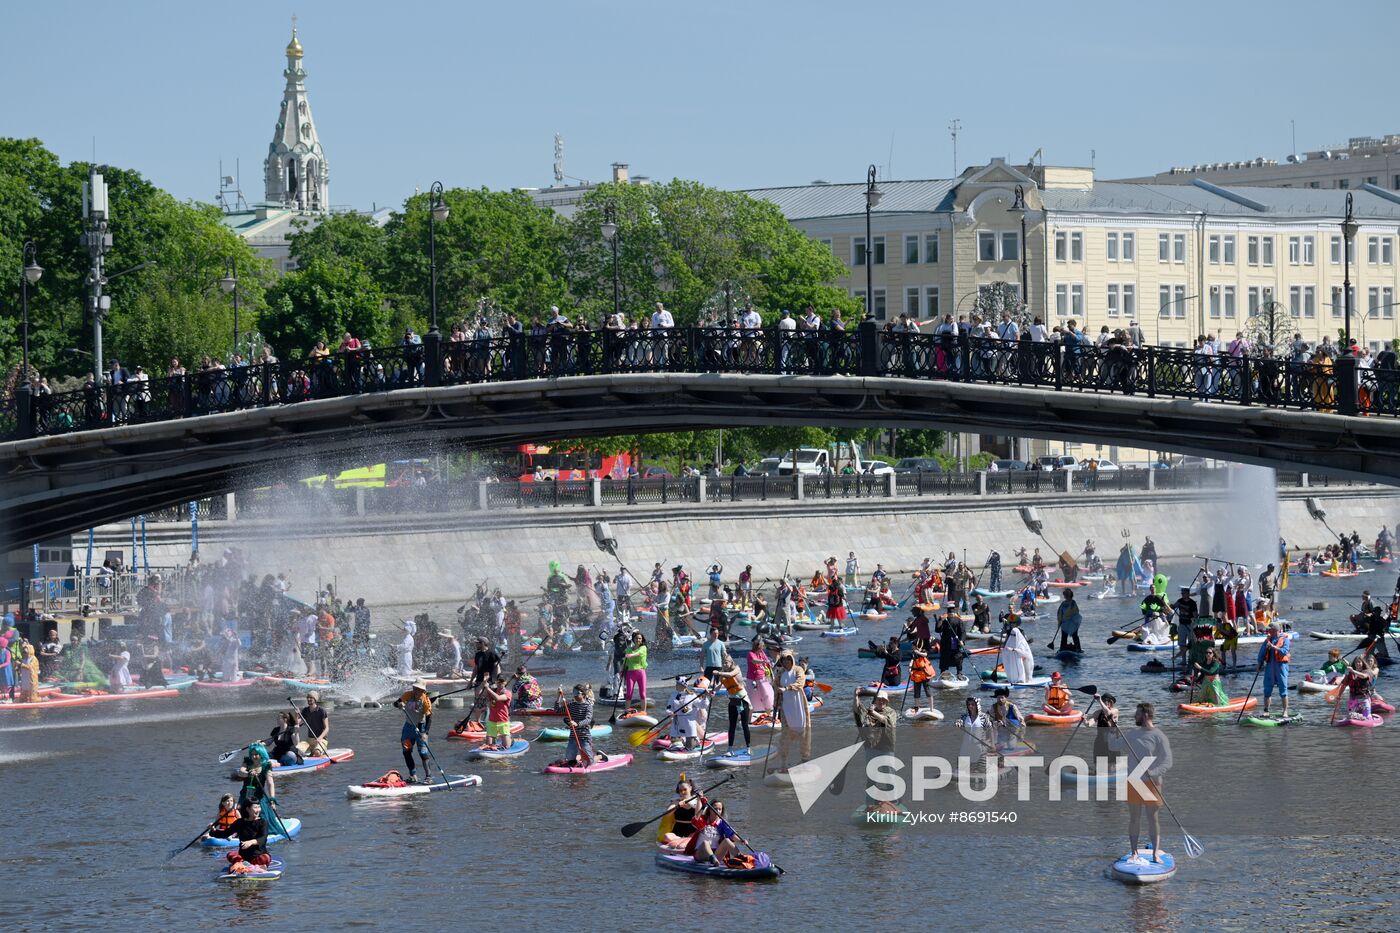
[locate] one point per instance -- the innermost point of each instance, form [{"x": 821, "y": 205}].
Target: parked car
[
  {"x": 1191, "y": 463},
  {"x": 768, "y": 465},
  {"x": 876, "y": 467},
  {"x": 655, "y": 472},
  {"x": 1001, "y": 465},
  {"x": 1105, "y": 465},
  {"x": 1060, "y": 462},
  {"x": 918, "y": 465}
]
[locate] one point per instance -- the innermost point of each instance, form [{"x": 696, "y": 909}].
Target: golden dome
[{"x": 294, "y": 47}]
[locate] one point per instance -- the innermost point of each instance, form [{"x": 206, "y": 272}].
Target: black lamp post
[
  {"x": 1349, "y": 227},
  {"x": 437, "y": 211},
  {"x": 229, "y": 283},
  {"x": 872, "y": 198},
  {"x": 32, "y": 272},
  {"x": 609, "y": 231},
  {"x": 1019, "y": 207}
]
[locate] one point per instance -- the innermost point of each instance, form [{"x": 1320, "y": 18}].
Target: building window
[
  {"x": 1380, "y": 303},
  {"x": 879, "y": 295},
  {"x": 1213, "y": 250},
  {"x": 1309, "y": 301},
  {"x": 1076, "y": 247},
  {"x": 1129, "y": 247},
  {"x": 1337, "y": 301},
  {"x": 1011, "y": 246},
  {"x": 1228, "y": 296},
  {"x": 1178, "y": 247},
  {"x": 857, "y": 251},
  {"x": 1112, "y": 300},
  {"x": 911, "y": 249},
  {"x": 1061, "y": 246},
  {"x": 1110, "y": 250},
  {"x": 859, "y": 295},
  {"x": 1253, "y": 301},
  {"x": 1062, "y": 300},
  {"x": 1334, "y": 253},
  {"x": 1300, "y": 251},
  {"x": 1395, "y": 182},
  {"x": 1076, "y": 300},
  {"x": 1251, "y": 250},
  {"x": 1266, "y": 250},
  {"x": 1344, "y": 183},
  {"x": 930, "y": 247},
  {"x": 879, "y": 251},
  {"x": 987, "y": 246},
  {"x": 911, "y": 301},
  {"x": 1295, "y": 300},
  {"x": 1314, "y": 184},
  {"x": 1228, "y": 250},
  {"x": 1215, "y": 299},
  {"x": 1172, "y": 301},
  {"x": 1302, "y": 300},
  {"x": 1372, "y": 179},
  {"x": 1129, "y": 301},
  {"x": 931, "y": 301},
  {"x": 1164, "y": 247}
]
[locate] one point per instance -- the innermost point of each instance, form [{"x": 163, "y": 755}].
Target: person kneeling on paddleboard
[
  {"x": 251, "y": 831},
  {"x": 1058, "y": 701},
  {"x": 527, "y": 690},
  {"x": 418, "y": 707},
  {"x": 1145, "y": 743},
  {"x": 222, "y": 827}
]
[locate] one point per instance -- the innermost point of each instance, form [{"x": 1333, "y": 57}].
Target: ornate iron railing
[{"x": 1339, "y": 387}]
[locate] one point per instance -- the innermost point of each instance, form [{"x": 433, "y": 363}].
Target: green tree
[
  {"x": 321, "y": 301},
  {"x": 682, "y": 243}
]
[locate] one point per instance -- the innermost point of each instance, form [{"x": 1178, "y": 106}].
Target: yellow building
[{"x": 1178, "y": 260}]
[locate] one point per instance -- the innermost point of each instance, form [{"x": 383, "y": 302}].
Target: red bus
[{"x": 574, "y": 464}]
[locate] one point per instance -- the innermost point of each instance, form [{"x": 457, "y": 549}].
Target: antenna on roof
[
  {"x": 889, "y": 163},
  {"x": 953, "y": 132},
  {"x": 1293, "y": 153},
  {"x": 558, "y": 159},
  {"x": 228, "y": 185}
]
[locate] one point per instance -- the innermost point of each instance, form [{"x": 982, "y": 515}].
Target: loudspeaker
[{"x": 1032, "y": 518}]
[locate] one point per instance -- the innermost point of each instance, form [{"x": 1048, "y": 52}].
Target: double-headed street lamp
[
  {"x": 437, "y": 211},
  {"x": 609, "y": 231},
  {"x": 30, "y": 276},
  {"x": 1349, "y": 227},
  {"x": 872, "y": 198},
  {"x": 229, "y": 283}
]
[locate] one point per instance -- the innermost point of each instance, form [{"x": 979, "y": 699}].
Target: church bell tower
[{"x": 295, "y": 172}]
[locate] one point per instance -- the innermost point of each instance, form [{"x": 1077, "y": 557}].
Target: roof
[
  {"x": 1219, "y": 200},
  {"x": 267, "y": 224},
  {"x": 808, "y": 202},
  {"x": 812, "y": 202}
]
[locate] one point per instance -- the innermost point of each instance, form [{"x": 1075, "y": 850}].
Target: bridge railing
[{"x": 1339, "y": 386}]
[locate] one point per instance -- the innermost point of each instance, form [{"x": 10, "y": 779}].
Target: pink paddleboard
[{"x": 614, "y": 761}]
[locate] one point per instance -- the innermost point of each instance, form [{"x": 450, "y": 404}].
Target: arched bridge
[{"x": 94, "y": 457}]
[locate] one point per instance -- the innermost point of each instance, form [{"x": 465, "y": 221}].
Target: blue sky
[{"x": 734, "y": 94}]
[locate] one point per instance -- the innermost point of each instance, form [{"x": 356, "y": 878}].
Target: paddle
[
  {"x": 779, "y": 868},
  {"x": 1093, "y": 692},
  {"x": 824, "y": 688},
  {"x": 300, "y": 759},
  {"x": 175, "y": 852},
  {"x": 1051, "y": 646},
  {"x": 1113, "y": 639},
  {"x": 1245, "y": 705},
  {"x": 232, "y": 753},
  {"x": 631, "y": 829},
  {"x": 1193, "y": 848}
]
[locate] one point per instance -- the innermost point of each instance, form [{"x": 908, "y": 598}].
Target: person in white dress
[
  {"x": 1016, "y": 655},
  {"x": 687, "y": 706},
  {"x": 796, "y": 723},
  {"x": 978, "y": 736},
  {"x": 121, "y": 674},
  {"x": 410, "y": 628}
]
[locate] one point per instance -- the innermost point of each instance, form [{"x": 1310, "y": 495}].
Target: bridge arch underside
[{"x": 66, "y": 483}]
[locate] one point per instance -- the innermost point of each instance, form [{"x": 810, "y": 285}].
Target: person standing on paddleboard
[
  {"x": 1273, "y": 661},
  {"x": 318, "y": 725},
  {"x": 1106, "y": 759},
  {"x": 951, "y": 635},
  {"x": 1069, "y": 619},
  {"x": 1145, "y": 743},
  {"x": 418, "y": 707}
]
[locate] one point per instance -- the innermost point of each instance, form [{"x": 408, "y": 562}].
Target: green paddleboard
[{"x": 1269, "y": 721}]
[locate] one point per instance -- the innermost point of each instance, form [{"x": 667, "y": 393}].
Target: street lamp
[
  {"x": 1019, "y": 207},
  {"x": 229, "y": 283},
  {"x": 1349, "y": 227},
  {"x": 609, "y": 231},
  {"x": 437, "y": 211},
  {"x": 1157, "y": 328},
  {"x": 872, "y": 198},
  {"x": 32, "y": 272}
]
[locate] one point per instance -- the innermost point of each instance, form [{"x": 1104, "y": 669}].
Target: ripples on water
[{"x": 94, "y": 800}]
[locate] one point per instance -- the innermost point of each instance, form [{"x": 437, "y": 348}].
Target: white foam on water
[{"x": 1244, "y": 525}]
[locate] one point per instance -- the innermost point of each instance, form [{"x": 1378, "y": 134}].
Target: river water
[{"x": 1295, "y": 821}]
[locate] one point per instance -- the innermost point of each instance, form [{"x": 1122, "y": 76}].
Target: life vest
[
  {"x": 921, "y": 670},
  {"x": 1057, "y": 695},
  {"x": 1280, "y": 655},
  {"x": 226, "y": 819}
]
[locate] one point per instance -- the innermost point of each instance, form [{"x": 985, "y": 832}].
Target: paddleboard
[
  {"x": 224, "y": 684},
  {"x": 923, "y": 714},
  {"x": 377, "y": 789},
  {"x": 1144, "y": 870},
  {"x": 684, "y": 754},
  {"x": 870, "y": 690},
  {"x": 1069, "y": 654},
  {"x": 1360, "y": 723},
  {"x": 1072, "y": 778},
  {"x": 737, "y": 758},
  {"x": 136, "y": 693},
  {"x": 291, "y": 824},
  {"x": 687, "y": 864},
  {"x": 1267, "y": 722},
  {"x": 1143, "y": 646},
  {"x": 1033, "y": 682},
  {"x": 1234, "y": 706},
  {"x": 1315, "y": 686},
  {"x": 1337, "y": 636},
  {"x": 476, "y": 731},
  {"x": 841, "y": 632},
  {"x": 636, "y": 718},
  {"x": 993, "y": 594},
  {"x": 1046, "y": 718},
  {"x": 948, "y": 683},
  {"x": 53, "y": 701},
  {"x": 562, "y": 733},
  {"x": 518, "y": 747},
  {"x": 614, "y": 761},
  {"x": 271, "y": 872},
  {"x": 334, "y": 756}
]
